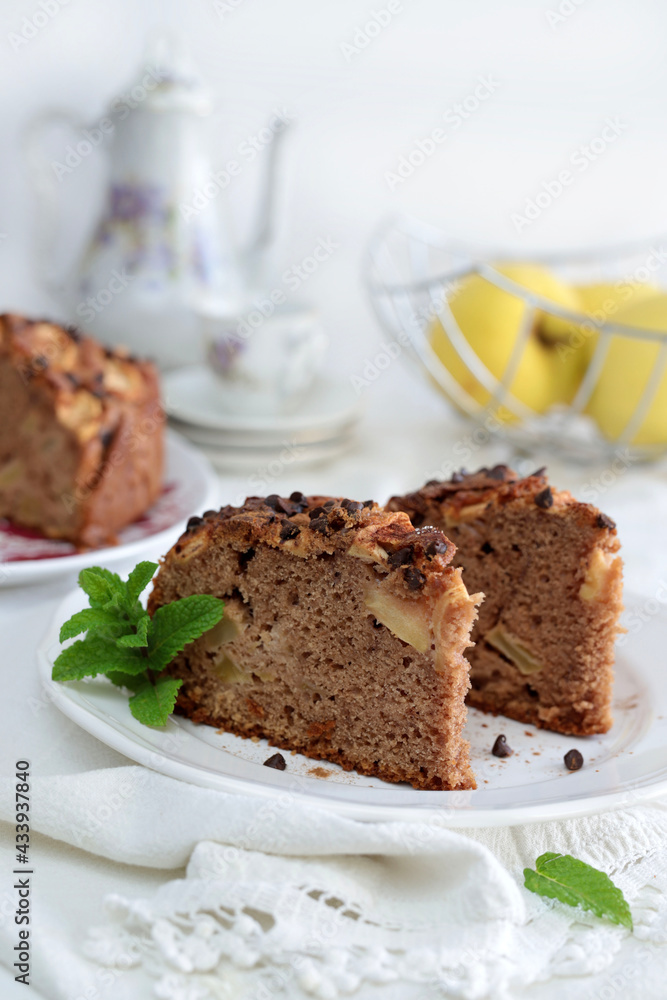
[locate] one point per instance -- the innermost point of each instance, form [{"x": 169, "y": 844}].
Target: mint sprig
[
  {"x": 123, "y": 642},
  {"x": 560, "y": 876}
]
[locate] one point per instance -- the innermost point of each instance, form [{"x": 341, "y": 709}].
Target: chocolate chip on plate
[
  {"x": 573, "y": 760},
  {"x": 501, "y": 747},
  {"x": 277, "y": 761}
]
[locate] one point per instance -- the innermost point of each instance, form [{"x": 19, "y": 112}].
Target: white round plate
[
  {"x": 194, "y": 395},
  {"x": 190, "y": 488},
  {"x": 623, "y": 767}
]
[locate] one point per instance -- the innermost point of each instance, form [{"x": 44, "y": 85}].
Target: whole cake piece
[
  {"x": 81, "y": 433},
  {"x": 343, "y": 635},
  {"x": 552, "y": 578}
]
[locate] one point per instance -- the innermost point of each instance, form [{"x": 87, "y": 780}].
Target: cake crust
[
  {"x": 304, "y": 657},
  {"x": 552, "y": 576},
  {"x": 81, "y": 434}
]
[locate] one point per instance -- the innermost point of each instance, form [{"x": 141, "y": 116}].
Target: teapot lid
[{"x": 169, "y": 79}]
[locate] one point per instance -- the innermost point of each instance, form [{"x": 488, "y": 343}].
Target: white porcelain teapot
[{"x": 159, "y": 248}]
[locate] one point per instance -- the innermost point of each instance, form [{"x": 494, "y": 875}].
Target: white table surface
[{"x": 406, "y": 436}]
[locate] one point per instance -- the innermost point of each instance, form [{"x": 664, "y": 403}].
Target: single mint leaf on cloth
[
  {"x": 138, "y": 580},
  {"x": 152, "y": 704},
  {"x": 175, "y": 625},
  {"x": 94, "y": 620},
  {"x": 560, "y": 876},
  {"x": 138, "y": 638},
  {"x": 103, "y": 587},
  {"x": 96, "y": 655}
]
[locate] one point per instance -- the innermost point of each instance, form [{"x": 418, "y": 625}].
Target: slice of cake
[
  {"x": 552, "y": 578},
  {"x": 81, "y": 433},
  {"x": 343, "y": 636}
]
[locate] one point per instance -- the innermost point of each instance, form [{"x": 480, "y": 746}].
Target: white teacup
[{"x": 265, "y": 363}]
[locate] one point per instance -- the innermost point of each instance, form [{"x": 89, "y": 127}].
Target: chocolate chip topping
[
  {"x": 297, "y": 497},
  {"x": 320, "y": 524},
  {"x": 288, "y": 531},
  {"x": 414, "y": 578},
  {"x": 316, "y": 512},
  {"x": 544, "y": 499},
  {"x": 498, "y": 472},
  {"x": 573, "y": 760},
  {"x": 106, "y": 437},
  {"x": 401, "y": 556},
  {"x": 194, "y": 522},
  {"x": 501, "y": 748},
  {"x": 605, "y": 522},
  {"x": 368, "y": 503},
  {"x": 539, "y": 473},
  {"x": 277, "y": 761},
  {"x": 272, "y": 501}
]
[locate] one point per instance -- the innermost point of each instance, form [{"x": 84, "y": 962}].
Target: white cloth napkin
[{"x": 282, "y": 897}]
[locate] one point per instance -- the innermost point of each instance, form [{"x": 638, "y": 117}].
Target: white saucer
[
  {"x": 623, "y": 767},
  {"x": 190, "y": 488},
  {"x": 194, "y": 396}
]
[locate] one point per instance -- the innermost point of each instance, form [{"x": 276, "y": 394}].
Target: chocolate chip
[
  {"x": 194, "y": 522},
  {"x": 544, "y": 499},
  {"x": 432, "y": 482},
  {"x": 330, "y": 504},
  {"x": 401, "y": 556},
  {"x": 277, "y": 761},
  {"x": 272, "y": 501},
  {"x": 501, "y": 748},
  {"x": 414, "y": 578},
  {"x": 498, "y": 472},
  {"x": 320, "y": 524},
  {"x": 316, "y": 512},
  {"x": 297, "y": 497},
  {"x": 539, "y": 472},
  {"x": 354, "y": 506},
  {"x": 288, "y": 531},
  {"x": 458, "y": 477},
  {"x": 368, "y": 503},
  {"x": 210, "y": 513},
  {"x": 106, "y": 437},
  {"x": 573, "y": 760},
  {"x": 605, "y": 522},
  {"x": 337, "y": 521}
]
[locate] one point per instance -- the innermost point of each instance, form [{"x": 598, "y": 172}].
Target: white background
[{"x": 559, "y": 77}]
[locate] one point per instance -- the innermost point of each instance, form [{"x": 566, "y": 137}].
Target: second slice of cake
[
  {"x": 343, "y": 635},
  {"x": 552, "y": 578}
]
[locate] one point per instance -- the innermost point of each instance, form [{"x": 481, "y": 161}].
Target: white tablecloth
[{"x": 144, "y": 886}]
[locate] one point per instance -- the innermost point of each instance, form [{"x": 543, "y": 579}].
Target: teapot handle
[{"x": 44, "y": 180}]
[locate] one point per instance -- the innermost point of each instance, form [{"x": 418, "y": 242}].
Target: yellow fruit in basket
[
  {"x": 491, "y": 319},
  {"x": 625, "y": 374},
  {"x": 603, "y": 302}
]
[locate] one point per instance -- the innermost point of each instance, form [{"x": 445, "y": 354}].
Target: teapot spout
[{"x": 254, "y": 252}]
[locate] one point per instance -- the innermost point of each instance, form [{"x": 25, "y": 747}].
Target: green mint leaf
[
  {"x": 138, "y": 638},
  {"x": 560, "y": 876},
  {"x": 132, "y": 683},
  {"x": 95, "y": 655},
  {"x": 152, "y": 704},
  {"x": 176, "y": 624},
  {"x": 103, "y": 587},
  {"x": 96, "y": 620},
  {"x": 137, "y": 581}
]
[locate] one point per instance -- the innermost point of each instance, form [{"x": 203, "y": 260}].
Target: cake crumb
[{"x": 319, "y": 772}]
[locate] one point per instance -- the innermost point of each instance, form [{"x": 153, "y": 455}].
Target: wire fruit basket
[{"x": 618, "y": 401}]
